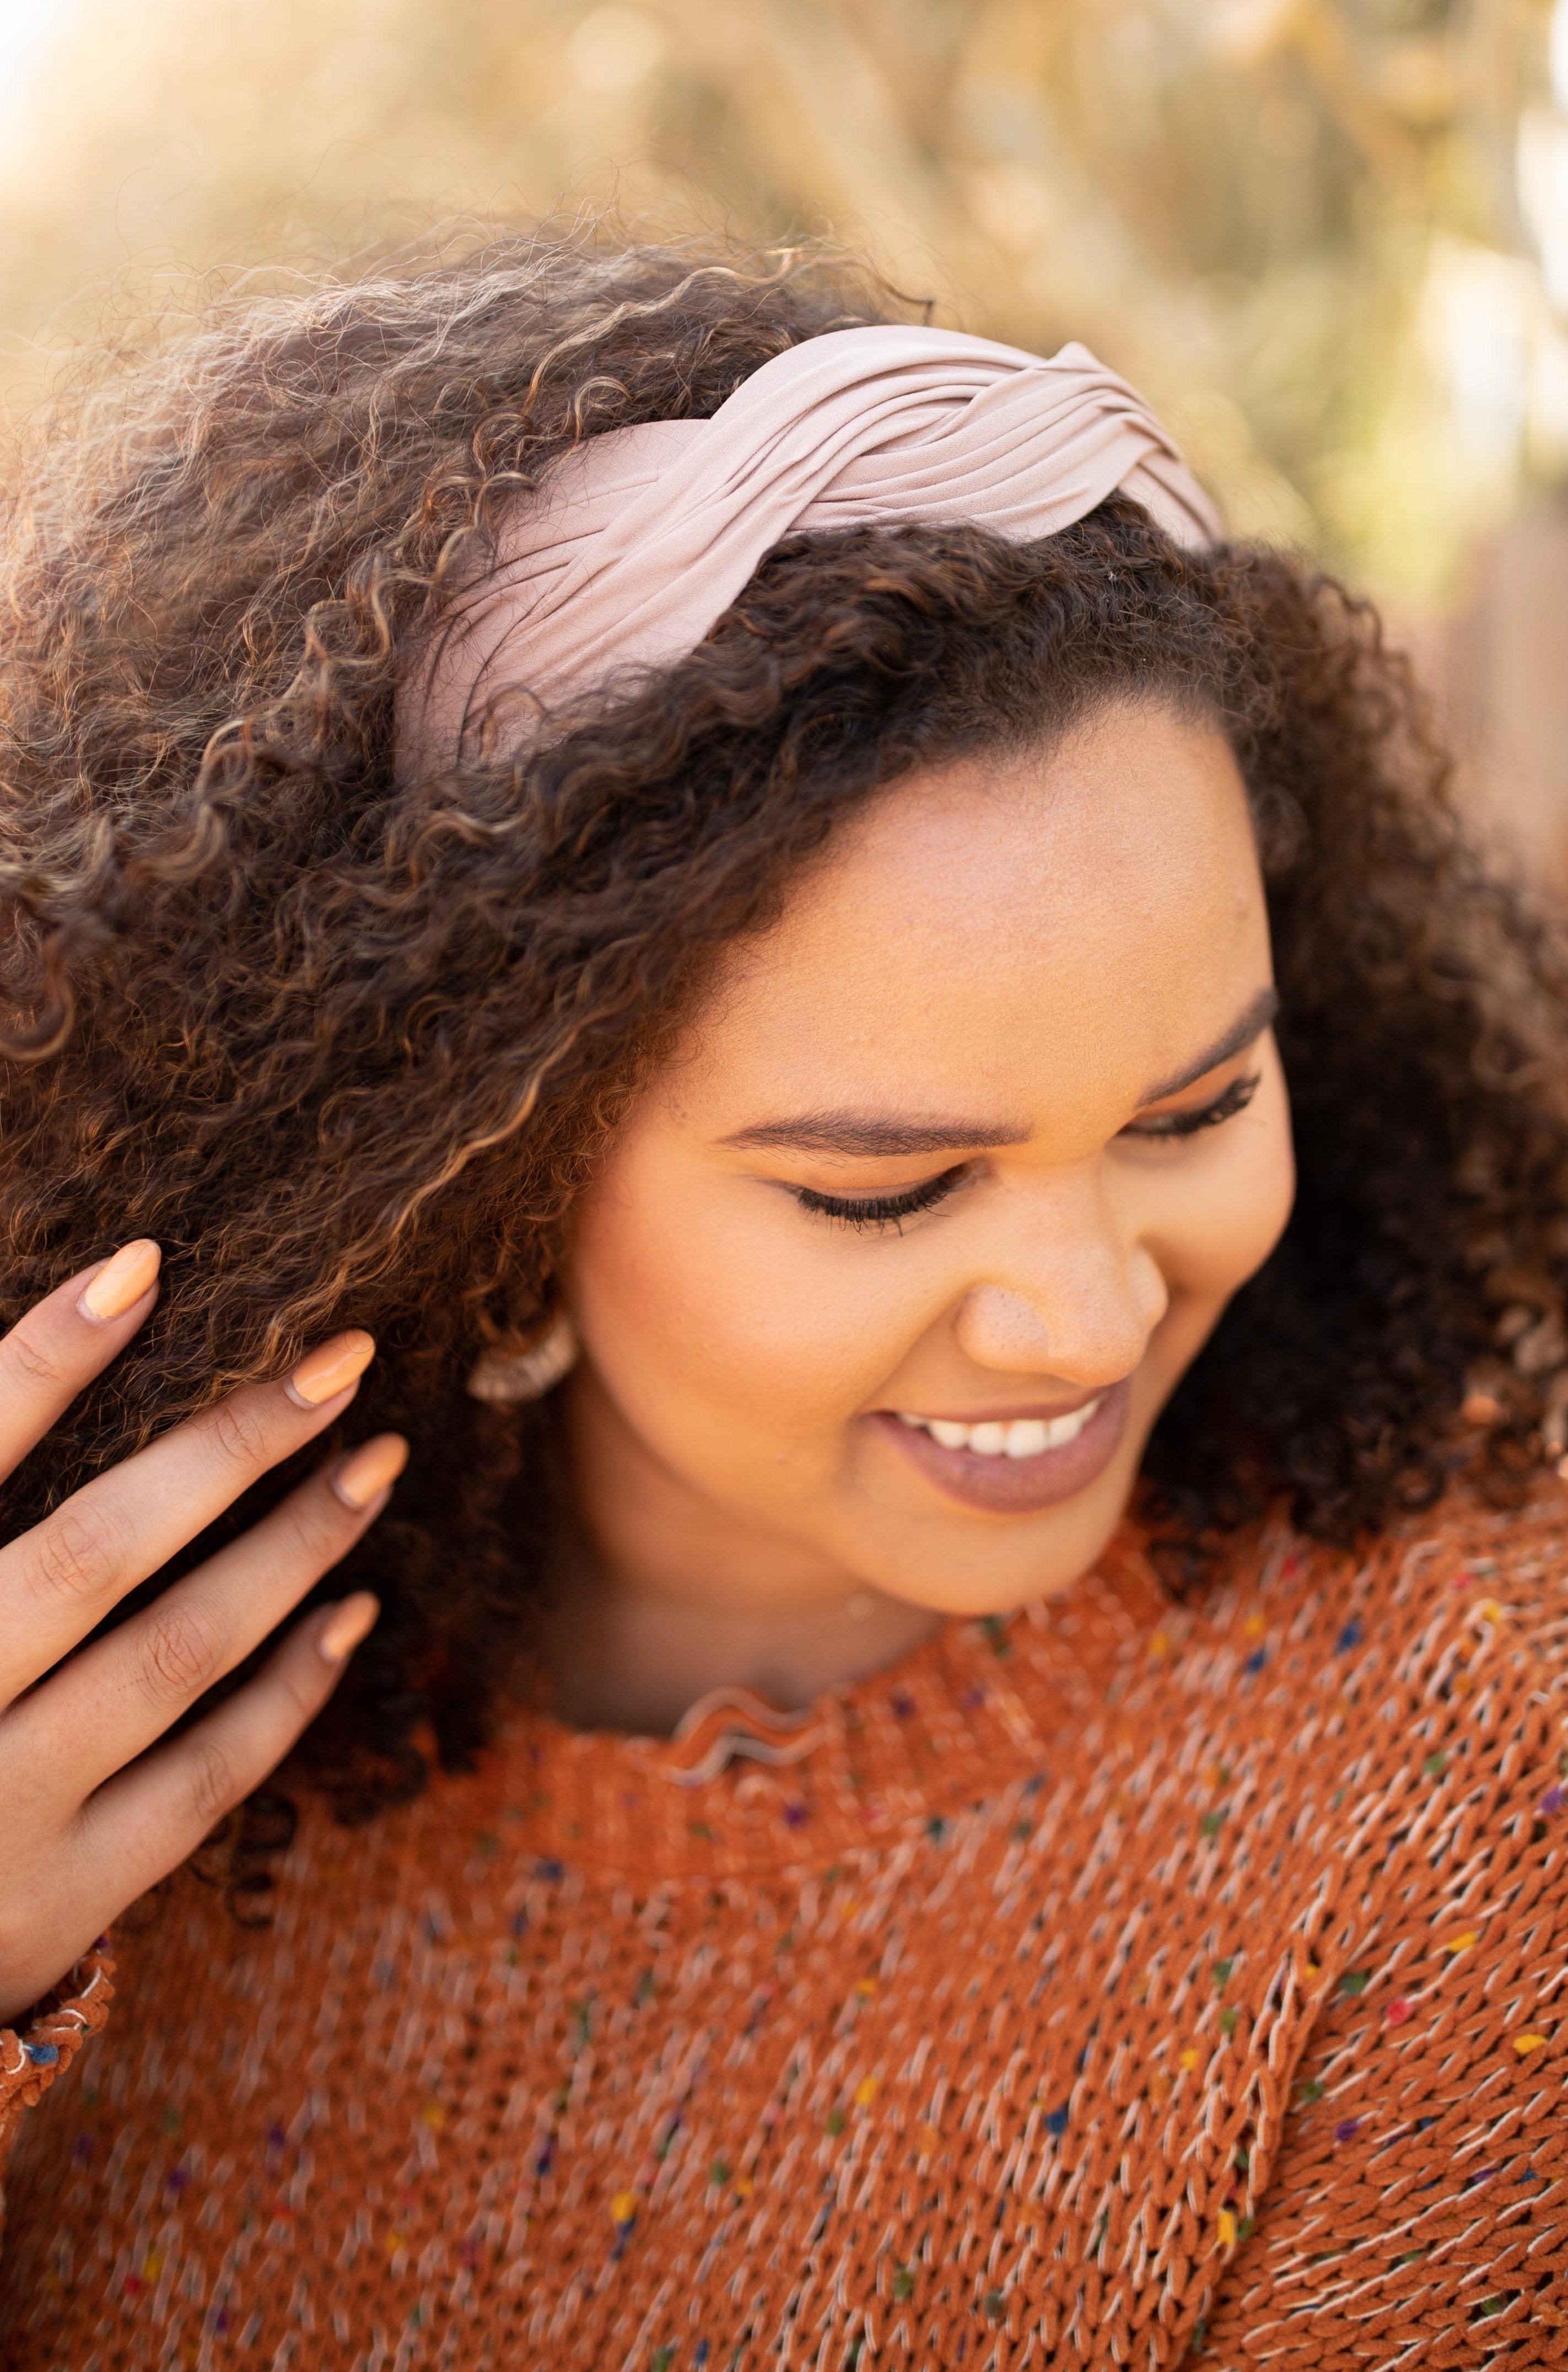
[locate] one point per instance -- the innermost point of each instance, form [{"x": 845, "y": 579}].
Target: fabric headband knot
[{"x": 640, "y": 539}]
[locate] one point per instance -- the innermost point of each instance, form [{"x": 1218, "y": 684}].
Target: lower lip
[{"x": 1016, "y": 1486}]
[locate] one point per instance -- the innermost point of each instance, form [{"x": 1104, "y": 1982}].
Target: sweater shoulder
[
  {"x": 1459, "y": 1558},
  {"x": 1437, "y": 1649},
  {"x": 1504, "y": 1570}
]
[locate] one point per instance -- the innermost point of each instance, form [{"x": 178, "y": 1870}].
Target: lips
[{"x": 1010, "y": 1475}]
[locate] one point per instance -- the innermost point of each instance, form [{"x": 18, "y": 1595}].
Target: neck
[{"x": 662, "y": 1595}]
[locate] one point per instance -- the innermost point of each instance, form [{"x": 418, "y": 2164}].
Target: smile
[
  {"x": 1010, "y": 1466},
  {"x": 1020, "y": 1436}
]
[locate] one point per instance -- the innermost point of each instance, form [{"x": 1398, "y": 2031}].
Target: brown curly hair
[{"x": 348, "y": 1047}]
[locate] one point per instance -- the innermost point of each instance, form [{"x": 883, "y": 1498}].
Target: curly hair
[{"x": 349, "y": 1046}]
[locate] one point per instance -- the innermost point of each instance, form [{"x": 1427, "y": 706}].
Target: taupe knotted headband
[{"x": 641, "y": 539}]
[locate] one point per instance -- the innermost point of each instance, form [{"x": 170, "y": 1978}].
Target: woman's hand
[{"x": 89, "y": 1819}]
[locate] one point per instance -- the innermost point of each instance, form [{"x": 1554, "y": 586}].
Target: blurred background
[{"x": 1327, "y": 237}]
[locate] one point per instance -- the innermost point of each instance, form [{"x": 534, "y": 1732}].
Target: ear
[{"x": 526, "y": 1374}]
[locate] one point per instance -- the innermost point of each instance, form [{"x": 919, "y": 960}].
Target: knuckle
[
  {"x": 290, "y": 1695},
  {"x": 32, "y": 1362},
  {"x": 300, "y": 1705},
  {"x": 76, "y": 1553},
  {"x": 214, "y": 1787},
  {"x": 240, "y": 1435},
  {"x": 319, "y": 1528},
  {"x": 180, "y": 1653},
  {"x": 306, "y": 1686}
]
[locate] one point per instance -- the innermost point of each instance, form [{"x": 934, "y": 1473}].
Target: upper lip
[{"x": 1006, "y": 1416}]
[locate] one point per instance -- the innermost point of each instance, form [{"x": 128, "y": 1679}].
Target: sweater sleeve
[
  {"x": 1443, "y": 2214},
  {"x": 32, "y": 2055},
  {"x": 1417, "y": 2202}
]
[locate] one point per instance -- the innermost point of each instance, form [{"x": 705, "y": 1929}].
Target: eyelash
[
  {"x": 883, "y": 1211},
  {"x": 880, "y": 1210},
  {"x": 1226, "y": 1104}
]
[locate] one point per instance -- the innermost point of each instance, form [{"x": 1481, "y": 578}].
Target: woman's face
[{"x": 892, "y": 1268}]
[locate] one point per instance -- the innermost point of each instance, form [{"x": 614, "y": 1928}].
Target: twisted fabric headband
[{"x": 641, "y": 539}]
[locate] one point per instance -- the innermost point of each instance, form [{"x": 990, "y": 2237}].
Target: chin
[{"x": 973, "y": 1565}]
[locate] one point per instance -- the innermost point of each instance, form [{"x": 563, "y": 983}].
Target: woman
[{"x": 693, "y": 908}]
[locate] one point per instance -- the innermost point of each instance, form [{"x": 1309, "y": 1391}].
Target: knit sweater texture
[{"x": 1125, "y": 1983}]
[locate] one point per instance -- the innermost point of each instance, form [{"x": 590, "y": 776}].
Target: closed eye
[
  {"x": 1231, "y": 1101},
  {"x": 881, "y": 1211}
]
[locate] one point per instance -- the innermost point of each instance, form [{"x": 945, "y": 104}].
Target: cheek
[
  {"x": 714, "y": 1294},
  {"x": 1224, "y": 1229}
]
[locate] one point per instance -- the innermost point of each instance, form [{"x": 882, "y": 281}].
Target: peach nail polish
[
  {"x": 331, "y": 1369},
  {"x": 369, "y": 1470},
  {"x": 348, "y": 1624},
  {"x": 121, "y": 1280}
]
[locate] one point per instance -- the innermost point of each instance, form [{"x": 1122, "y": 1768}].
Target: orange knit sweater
[{"x": 1109, "y": 1985}]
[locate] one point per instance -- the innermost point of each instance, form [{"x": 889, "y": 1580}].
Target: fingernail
[
  {"x": 347, "y": 1625},
  {"x": 120, "y": 1281},
  {"x": 370, "y": 1468},
  {"x": 332, "y": 1369}
]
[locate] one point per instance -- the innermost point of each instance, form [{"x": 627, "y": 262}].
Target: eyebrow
[
  {"x": 1247, "y": 1025},
  {"x": 871, "y": 1137},
  {"x": 875, "y": 1136}
]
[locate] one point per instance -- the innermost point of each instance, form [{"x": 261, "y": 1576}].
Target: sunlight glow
[{"x": 29, "y": 29}]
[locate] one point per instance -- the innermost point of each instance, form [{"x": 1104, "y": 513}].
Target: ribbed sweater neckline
[{"x": 976, "y": 1709}]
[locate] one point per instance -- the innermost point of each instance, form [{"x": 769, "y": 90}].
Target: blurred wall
[{"x": 1329, "y": 238}]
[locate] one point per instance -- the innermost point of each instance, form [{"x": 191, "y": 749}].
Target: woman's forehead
[{"x": 1008, "y": 925}]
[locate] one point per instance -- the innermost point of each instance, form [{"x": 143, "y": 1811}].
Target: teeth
[{"x": 1025, "y": 1437}]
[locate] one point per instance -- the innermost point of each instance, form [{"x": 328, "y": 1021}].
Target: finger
[
  {"x": 65, "y": 1340},
  {"x": 58, "y": 1581},
  {"x": 147, "y": 1821},
  {"x": 115, "y": 1700}
]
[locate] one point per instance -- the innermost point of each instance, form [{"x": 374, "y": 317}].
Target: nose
[{"x": 1081, "y": 1308}]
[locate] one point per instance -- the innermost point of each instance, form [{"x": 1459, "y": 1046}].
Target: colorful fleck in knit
[{"x": 1113, "y": 1985}]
